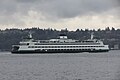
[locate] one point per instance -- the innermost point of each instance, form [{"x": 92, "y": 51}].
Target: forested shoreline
[{"x": 8, "y": 37}]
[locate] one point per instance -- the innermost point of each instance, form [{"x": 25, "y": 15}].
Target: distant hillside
[{"x": 9, "y": 37}]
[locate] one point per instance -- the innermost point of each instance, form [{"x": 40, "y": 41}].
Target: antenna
[
  {"x": 92, "y": 35},
  {"x": 30, "y": 35}
]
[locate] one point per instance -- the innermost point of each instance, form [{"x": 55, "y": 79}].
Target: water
[{"x": 78, "y": 66}]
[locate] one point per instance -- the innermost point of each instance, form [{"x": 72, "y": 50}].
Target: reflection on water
[{"x": 77, "y": 66}]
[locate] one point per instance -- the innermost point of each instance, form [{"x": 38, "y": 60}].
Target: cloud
[
  {"x": 22, "y": 12},
  {"x": 58, "y": 8},
  {"x": 73, "y": 8}
]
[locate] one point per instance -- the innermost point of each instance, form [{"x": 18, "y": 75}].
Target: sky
[{"x": 60, "y": 14}]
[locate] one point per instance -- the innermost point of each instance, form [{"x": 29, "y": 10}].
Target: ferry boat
[{"x": 60, "y": 45}]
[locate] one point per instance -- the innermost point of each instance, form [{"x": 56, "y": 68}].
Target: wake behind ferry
[{"x": 60, "y": 45}]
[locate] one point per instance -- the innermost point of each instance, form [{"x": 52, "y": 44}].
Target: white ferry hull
[{"x": 62, "y": 45}]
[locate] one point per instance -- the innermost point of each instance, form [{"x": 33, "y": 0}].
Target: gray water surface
[{"x": 73, "y": 66}]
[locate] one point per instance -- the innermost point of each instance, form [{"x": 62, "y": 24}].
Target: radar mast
[{"x": 92, "y": 36}]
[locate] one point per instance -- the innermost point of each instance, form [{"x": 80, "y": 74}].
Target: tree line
[{"x": 8, "y": 37}]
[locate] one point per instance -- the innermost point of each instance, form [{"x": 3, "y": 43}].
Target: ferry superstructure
[{"x": 60, "y": 45}]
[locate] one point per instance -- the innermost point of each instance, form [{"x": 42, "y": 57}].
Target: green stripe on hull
[{"x": 56, "y": 51}]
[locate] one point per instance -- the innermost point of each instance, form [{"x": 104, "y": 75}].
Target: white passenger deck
[{"x": 63, "y": 44}]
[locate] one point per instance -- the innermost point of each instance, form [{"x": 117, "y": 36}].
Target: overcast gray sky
[{"x": 60, "y": 14}]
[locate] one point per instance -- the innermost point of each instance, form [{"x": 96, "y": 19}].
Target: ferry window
[
  {"x": 52, "y": 46},
  {"x": 42, "y": 46},
  {"x": 34, "y": 41},
  {"x": 35, "y": 46},
  {"x": 45, "y": 46},
  {"x": 27, "y": 43}
]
